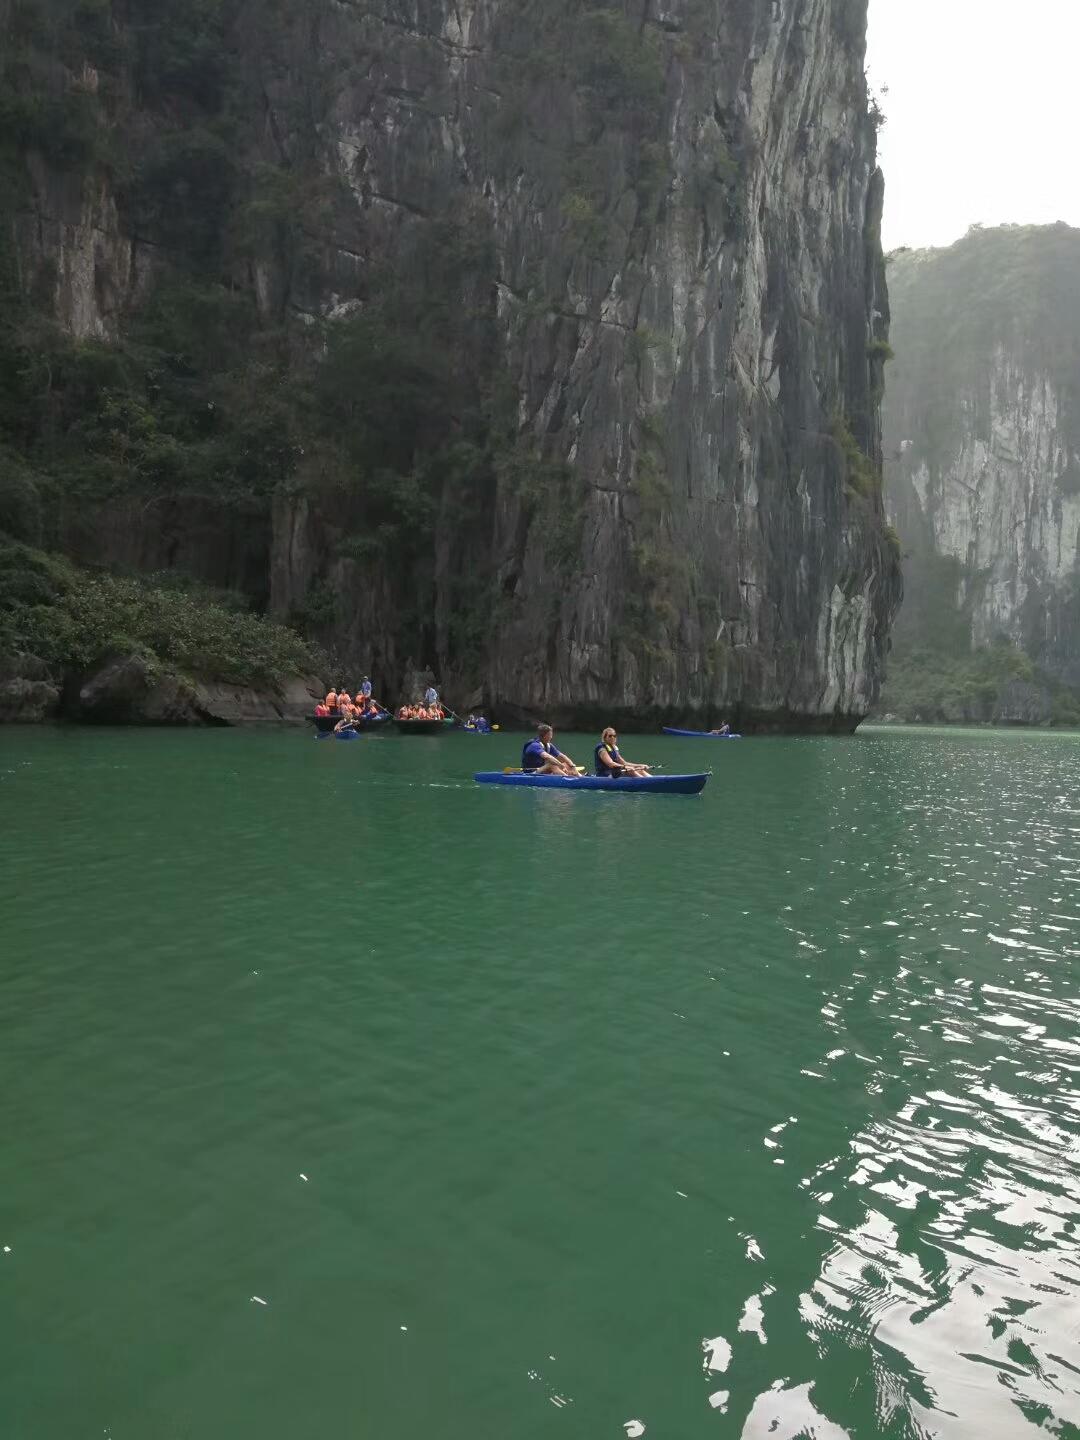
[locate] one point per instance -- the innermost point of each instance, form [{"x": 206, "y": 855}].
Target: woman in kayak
[
  {"x": 540, "y": 757},
  {"x": 609, "y": 763}
]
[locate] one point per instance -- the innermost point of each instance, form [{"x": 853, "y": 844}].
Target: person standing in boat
[
  {"x": 609, "y": 763},
  {"x": 366, "y": 703},
  {"x": 540, "y": 756}
]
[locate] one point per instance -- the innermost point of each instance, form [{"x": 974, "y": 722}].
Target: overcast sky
[{"x": 982, "y": 114}]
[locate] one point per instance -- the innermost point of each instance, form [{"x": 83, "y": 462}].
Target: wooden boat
[
  {"x": 698, "y": 734},
  {"x": 424, "y": 727},
  {"x": 626, "y": 785}
]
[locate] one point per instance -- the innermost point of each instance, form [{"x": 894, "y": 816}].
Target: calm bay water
[{"x": 533, "y": 1114}]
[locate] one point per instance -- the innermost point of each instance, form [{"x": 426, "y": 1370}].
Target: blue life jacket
[
  {"x": 534, "y": 753},
  {"x": 606, "y": 770}
]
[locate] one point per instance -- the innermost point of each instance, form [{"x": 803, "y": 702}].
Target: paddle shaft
[{"x": 517, "y": 770}]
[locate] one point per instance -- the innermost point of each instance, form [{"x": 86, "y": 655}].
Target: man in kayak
[
  {"x": 609, "y": 763},
  {"x": 725, "y": 729},
  {"x": 540, "y": 757}
]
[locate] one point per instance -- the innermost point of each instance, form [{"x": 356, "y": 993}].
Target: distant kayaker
[
  {"x": 541, "y": 757},
  {"x": 609, "y": 763},
  {"x": 725, "y": 729}
]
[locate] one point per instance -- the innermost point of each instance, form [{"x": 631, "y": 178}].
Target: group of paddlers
[
  {"x": 540, "y": 756},
  {"x": 350, "y": 711},
  {"x": 421, "y": 712}
]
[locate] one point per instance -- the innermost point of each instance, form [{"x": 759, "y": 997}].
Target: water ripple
[{"x": 335, "y": 1087}]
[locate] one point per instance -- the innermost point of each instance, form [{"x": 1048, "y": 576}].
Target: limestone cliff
[
  {"x": 982, "y": 424},
  {"x": 606, "y": 276}
]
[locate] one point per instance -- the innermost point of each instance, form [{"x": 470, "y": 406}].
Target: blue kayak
[
  {"x": 629, "y": 784},
  {"x": 698, "y": 734},
  {"x": 324, "y": 724}
]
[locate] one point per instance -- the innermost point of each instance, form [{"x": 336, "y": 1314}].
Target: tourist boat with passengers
[{"x": 425, "y": 727}]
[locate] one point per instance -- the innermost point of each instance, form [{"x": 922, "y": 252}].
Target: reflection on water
[
  {"x": 951, "y": 1218},
  {"x": 340, "y": 1096}
]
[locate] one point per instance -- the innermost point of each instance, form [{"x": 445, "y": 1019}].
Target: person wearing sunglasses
[{"x": 609, "y": 763}]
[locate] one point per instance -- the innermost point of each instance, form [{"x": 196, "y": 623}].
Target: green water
[{"x": 577, "y": 1083}]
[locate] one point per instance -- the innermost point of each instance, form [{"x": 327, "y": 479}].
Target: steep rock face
[
  {"x": 74, "y": 231},
  {"x": 982, "y": 435},
  {"x": 780, "y": 586},
  {"x": 658, "y": 231}
]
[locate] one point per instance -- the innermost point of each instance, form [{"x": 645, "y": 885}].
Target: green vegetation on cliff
[
  {"x": 223, "y": 383},
  {"x": 993, "y": 685},
  {"x": 75, "y": 619},
  {"x": 861, "y": 475},
  {"x": 934, "y": 674},
  {"x": 192, "y": 399}
]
